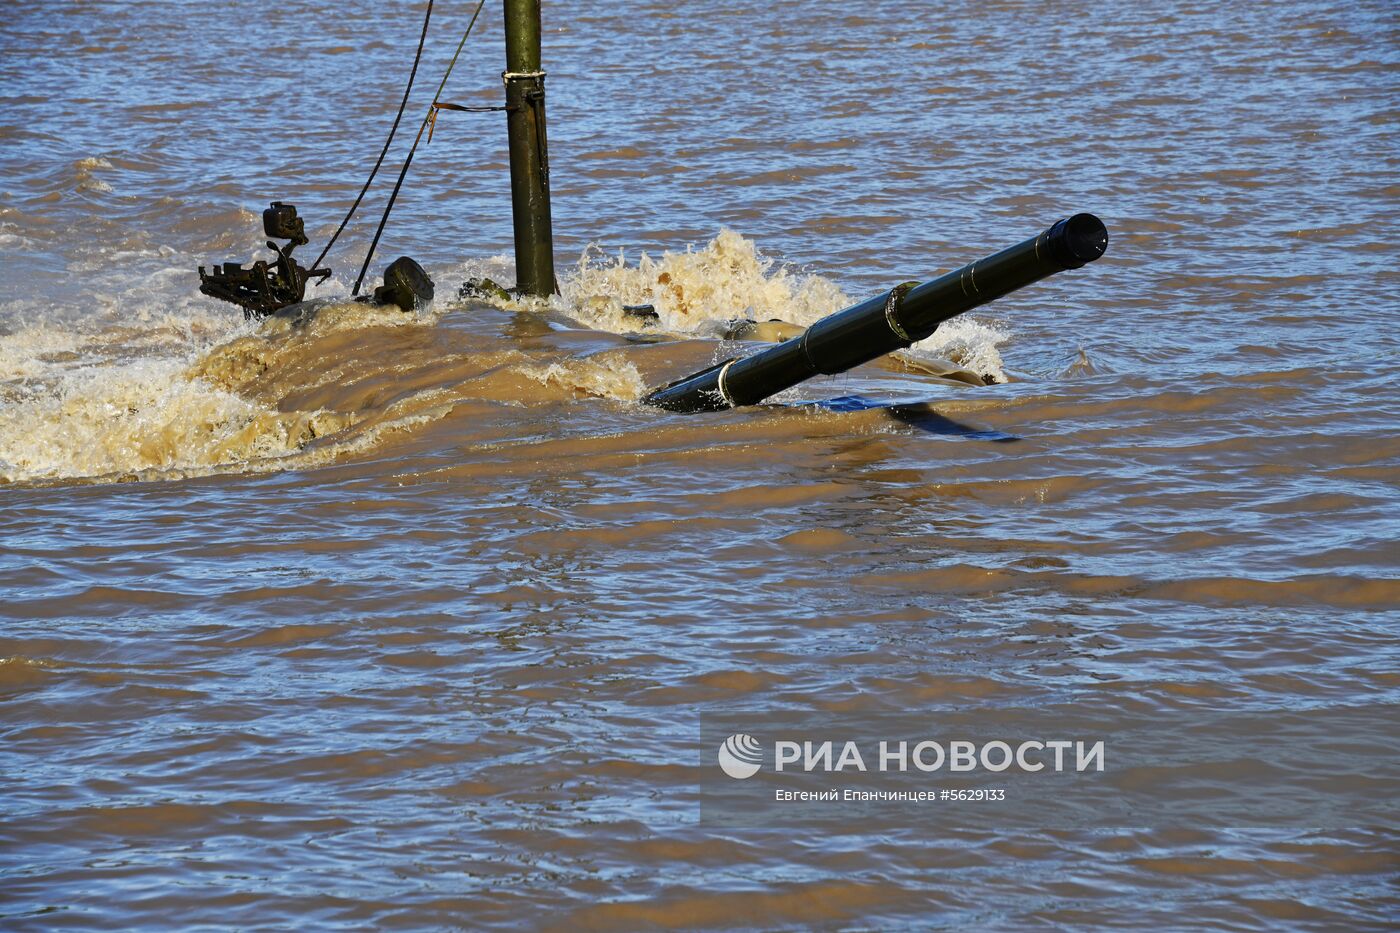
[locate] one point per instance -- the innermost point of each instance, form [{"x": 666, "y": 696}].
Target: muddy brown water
[{"x": 411, "y": 621}]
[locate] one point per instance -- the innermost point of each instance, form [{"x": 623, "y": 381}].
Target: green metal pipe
[{"x": 529, "y": 152}]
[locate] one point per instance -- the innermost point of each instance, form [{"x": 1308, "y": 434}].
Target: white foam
[
  {"x": 136, "y": 416},
  {"x": 697, "y": 291},
  {"x": 969, "y": 343},
  {"x": 700, "y": 291}
]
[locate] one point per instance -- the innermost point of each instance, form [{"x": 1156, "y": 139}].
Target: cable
[
  {"x": 432, "y": 110},
  {"x": 385, "y": 151}
]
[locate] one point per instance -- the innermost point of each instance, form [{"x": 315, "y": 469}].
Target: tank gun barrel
[{"x": 892, "y": 321}]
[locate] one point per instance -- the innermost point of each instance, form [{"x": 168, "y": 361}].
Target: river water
[{"x": 411, "y": 621}]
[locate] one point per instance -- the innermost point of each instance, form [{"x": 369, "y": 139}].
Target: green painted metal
[{"x": 529, "y": 152}]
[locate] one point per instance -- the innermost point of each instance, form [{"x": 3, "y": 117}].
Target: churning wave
[{"x": 158, "y": 382}]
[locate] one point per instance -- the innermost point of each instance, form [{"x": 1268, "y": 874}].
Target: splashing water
[
  {"x": 146, "y": 415},
  {"x": 156, "y": 383},
  {"x": 593, "y": 376},
  {"x": 697, "y": 291},
  {"x": 701, "y": 292}
]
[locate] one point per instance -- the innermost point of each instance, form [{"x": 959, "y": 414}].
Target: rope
[
  {"x": 429, "y": 117},
  {"x": 444, "y": 105},
  {"x": 385, "y": 151}
]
